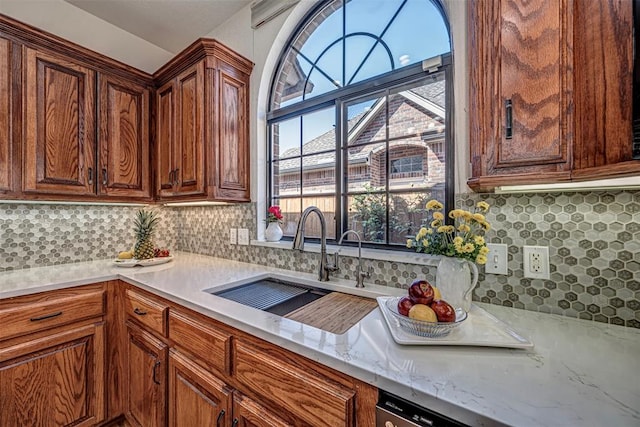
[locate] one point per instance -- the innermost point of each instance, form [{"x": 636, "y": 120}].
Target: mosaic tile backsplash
[
  {"x": 593, "y": 240},
  {"x": 40, "y": 235}
]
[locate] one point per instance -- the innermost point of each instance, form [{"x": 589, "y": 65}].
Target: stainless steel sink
[{"x": 272, "y": 295}]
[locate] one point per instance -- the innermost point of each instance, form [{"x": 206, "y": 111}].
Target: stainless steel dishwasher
[{"x": 394, "y": 411}]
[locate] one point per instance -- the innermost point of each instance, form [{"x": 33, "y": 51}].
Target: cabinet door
[
  {"x": 57, "y": 380},
  {"x": 6, "y": 145},
  {"x": 520, "y": 55},
  {"x": 249, "y": 413},
  {"x": 301, "y": 393},
  {"x": 604, "y": 86},
  {"x": 59, "y": 110},
  {"x": 165, "y": 139},
  {"x": 123, "y": 156},
  {"x": 190, "y": 131},
  {"x": 196, "y": 397},
  {"x": 146, "y": 380},
  {"x": 232, "y": 149}
]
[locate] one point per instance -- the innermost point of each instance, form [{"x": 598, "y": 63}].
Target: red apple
[
  {"x": 444, "y": 311},
  {"x": 421, "y": 292},
  {"x": 404, "y": 305}
]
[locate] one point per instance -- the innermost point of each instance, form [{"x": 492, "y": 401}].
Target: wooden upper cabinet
[
  {"x": 550, "y": 91},
  {"x": 533, "y": 61},
  {"x": 232, "y": 172},
  {"x": 202, "y": 125},
  {"x": 190, "y": 144},
  {"x": 123, "y": 144},
  {"x": 7, "y": 162},
  {"x": 165, "y": 137},
  {"x": 180, "y": 135},
  {"x": 59, "y": 124},
  {"x": 519, "y": 97},
  {"x": 603, "y": 89}
]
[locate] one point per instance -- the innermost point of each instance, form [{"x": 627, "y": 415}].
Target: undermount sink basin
[{"x": 272, "y": 295}]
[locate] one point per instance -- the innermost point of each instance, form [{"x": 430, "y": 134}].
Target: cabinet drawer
[
  {"x": 150, "y": 313},
  {"x": 309, "y": 396},
  {"x": 206, "y": 343},
  {"x": 33, "y": 316}
]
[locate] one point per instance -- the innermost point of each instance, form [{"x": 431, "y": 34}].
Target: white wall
[{"x": 72, "y": 23}]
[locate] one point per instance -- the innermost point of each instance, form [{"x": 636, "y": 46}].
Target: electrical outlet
[
  {"x": 243, "y": 236},
  {"x": 496, "y": 259},
  {"x": 536, "y": 262},
  {"x": 233, "y": 236}
]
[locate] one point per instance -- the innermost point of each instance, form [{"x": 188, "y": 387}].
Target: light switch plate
[
  {"x": 497, "y": 259},
  {"x": 243, "y": 236},
  {"x": 233, "y": 236}
]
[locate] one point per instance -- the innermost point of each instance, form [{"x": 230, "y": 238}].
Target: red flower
[{"x": 274, "y": 214}]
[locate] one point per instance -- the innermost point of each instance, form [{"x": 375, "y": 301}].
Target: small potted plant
[{"x": 273, "y": 233}]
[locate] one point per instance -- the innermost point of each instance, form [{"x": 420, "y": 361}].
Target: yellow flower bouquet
[{"x": 464, "y": 239}]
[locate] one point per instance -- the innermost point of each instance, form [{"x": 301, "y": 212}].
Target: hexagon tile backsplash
[
  {"x": 593, "y": 240},
  {"x": 42, "y": 234}
]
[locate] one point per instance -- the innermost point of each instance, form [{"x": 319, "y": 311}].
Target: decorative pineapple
[{"x": 145, "y": 224}]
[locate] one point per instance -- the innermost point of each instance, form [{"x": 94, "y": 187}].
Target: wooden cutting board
[{"x": 335, "y": 312}]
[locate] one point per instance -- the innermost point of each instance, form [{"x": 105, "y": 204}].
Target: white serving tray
[
  {"x": 142, "y": 262},
  {"x": 479, "y": 329}
]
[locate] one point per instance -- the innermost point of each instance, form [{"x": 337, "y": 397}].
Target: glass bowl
[{"x": 421, "y": 327}]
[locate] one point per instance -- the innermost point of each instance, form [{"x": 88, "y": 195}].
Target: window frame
[{"x": 337, "y": 99}]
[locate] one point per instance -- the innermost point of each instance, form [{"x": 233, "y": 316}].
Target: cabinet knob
[{"x": 90, "y": 176}]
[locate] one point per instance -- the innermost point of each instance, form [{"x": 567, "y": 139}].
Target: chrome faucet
[
  {"x": 361, "y": 274},
  {"x": 298, "y": 242}
]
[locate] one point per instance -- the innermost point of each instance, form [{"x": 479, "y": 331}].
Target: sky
[{"x": 418, "y": 32}]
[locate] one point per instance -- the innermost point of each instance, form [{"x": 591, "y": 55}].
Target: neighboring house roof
[{"x": 358, "y": 124}]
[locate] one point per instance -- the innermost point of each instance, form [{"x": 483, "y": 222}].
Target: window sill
[{"x": 367, "y": 253}]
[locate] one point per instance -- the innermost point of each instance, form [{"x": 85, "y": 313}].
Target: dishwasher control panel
[{"x": 394, "y": 411}]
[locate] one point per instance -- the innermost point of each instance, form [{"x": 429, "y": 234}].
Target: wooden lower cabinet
[
  {"x": 196, "y": 397},
  {"x": 55, "y": 379},
  {"x": 146, "y": 378},
  {"x": 113, "y": 353},
  {"x": 199, "y": 398},
  {"x": 249, "y": 413}
]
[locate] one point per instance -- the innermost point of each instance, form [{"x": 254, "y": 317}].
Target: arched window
[{"x": 358, "y": 118}]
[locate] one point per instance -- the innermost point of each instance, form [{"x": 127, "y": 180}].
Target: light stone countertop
[{"x": 579, "y": 373}]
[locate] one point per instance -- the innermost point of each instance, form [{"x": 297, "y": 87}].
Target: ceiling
[{"x": 169, "y": 24}]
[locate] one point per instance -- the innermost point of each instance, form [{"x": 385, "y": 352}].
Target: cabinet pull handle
[
  {"x": 171, "y": 177},
  {"x": 104, "y": 176},
  {"x": 90, "y": 173},
  {"x": 220, "y": 417},
  {"x": 234, "y": 423},
  {"x": 46, "y": 316},
  {"x": 508, "y": 112},
  {"x": 155, "y": 366},
  {"x": 139, "y": 312},
  {"x": 175, "y": 176}
]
